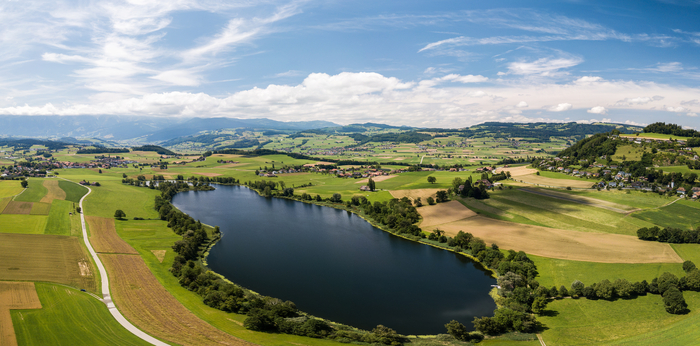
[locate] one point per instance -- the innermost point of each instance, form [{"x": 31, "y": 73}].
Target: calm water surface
[{"x": 337, "y": 266}]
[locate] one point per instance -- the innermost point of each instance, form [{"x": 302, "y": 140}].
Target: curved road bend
[{"x": 107, "y": 299}]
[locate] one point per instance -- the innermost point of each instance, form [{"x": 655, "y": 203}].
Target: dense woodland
[
  {"x": 156, "y": 148},
  {"x": 671, "y": 129}
]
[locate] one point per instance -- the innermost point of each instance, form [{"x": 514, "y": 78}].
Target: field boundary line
[
  {"x": 539, "y": 337},
  {"x": 106, "y": 297},
  {"x": 13, "y": 197}
]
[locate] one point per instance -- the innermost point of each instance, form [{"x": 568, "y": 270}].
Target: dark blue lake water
[{"x": 337, "y": 266}]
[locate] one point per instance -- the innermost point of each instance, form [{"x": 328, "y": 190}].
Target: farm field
[
  {"x": 563, "y": 244},
  {"x": 104, "y": 238},
  {"x": 74, "y": 192},
  {"x": 639, "y": 321},
  {"x": 9, "y": 188},
  {"x": 682, "y": 214},
  {"x": 144, "y": 301},
  {"x": 25, "y": 224},
  {"x": 60, "y": 259},
  {"x": 18, "y": 208},
  {"x": 40, "y": 208},
  {"x": 443, "y": 213},
  {"x": 59, "y": 220},
  {"x": 545, "y": 181},
  {"x": 14, "y": 295},
  {"x": 35, "y": 191},
  {"x": 633, "y": 199},
  {"x": 54, "y": 191}
]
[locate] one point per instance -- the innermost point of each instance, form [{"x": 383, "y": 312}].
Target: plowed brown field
[
  {"x": 15, "y": 295},
  {"x": 104, "y": 237},
  {"x": 564, "y": 244},
  {"x": 144, "y": 301},
  {"x": 18, "y": 208}
]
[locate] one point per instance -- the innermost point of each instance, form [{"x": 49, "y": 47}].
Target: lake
[{"x": 335, "y": 265}]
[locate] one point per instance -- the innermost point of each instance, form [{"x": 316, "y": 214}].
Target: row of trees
[{"x": 669, "y": 235}]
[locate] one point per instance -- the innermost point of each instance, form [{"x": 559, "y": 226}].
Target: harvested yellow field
[
  {"x": 55, "y": 192},
  {"x": 413, "y": 194},
  {"x": 43, "y": 257},
  {"x": 552, "y": 182},
  {"x": 160, "y": 254},
  {"x": 443, "y": 213},
  {"x": 564, "y": 244},
  {"x": 517, "y": 171},
  {"x": 15, "y": 295},
  {"x": 104, "y": 237},
  {"x": 376, "y": 179},
  {"x": 208, "y": 174},
  {"x": 144, "y": 302},
  {"x": 9, "y": 188},
  {"x": 15, "y": 207}
]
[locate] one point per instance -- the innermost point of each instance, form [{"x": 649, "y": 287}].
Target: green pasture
[
  {"x": 9, "y": 188},
  {"x": 487, "y": 210},
  {"x": 39, "y": 208},
  {"x": 557, "y": 175},
  {"x": 678, "y": 169},
  {"x": 558, "y": 272},
  {"x": 561, "y": 214},
  {"x": 630, "y": 152},
  {"x": 113, "y": 195},
  {"x": 682, "y": 214},
  {"x": 69, "y": 317},
  {"x": 59, "y": 221},
  {"x": 35, "y": 191},
  {"x": 25, "y": 224},
  {"x": 4, "y": 202},
  {"x": 639, "y": 321},
  {"x": 74, "y": 192},
  {"x": 655, "y": 136},
  {"x": 636, "y": 199}
]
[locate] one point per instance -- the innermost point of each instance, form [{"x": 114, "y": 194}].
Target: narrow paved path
[{"x": 106, "y": 298}]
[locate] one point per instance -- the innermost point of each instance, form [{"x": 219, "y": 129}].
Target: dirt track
[{"x": 564, "y": 244}]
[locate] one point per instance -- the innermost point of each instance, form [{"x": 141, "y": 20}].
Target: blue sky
[{"x": 420, "y": 63}]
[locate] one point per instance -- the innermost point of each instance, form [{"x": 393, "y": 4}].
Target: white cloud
[
  {"x": 676, "y": 109},
  {"x": 692, "y": 114},
  {"x": 543, "y": 67},
  {"x": 179, "y": 77},
  {"x": 638, "y": 100},
  {"x": 521, "y": 104},
  {"x": 290, "y": 73},
  {"x": 597, "y": 110},
  {"x": 589, "y": 79},
  {"x": 560, "y": 107},
  {"x": 464, "y": 79}
]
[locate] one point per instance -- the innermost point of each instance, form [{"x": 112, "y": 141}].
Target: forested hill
[
  {"x": 671, "y": 129},
  {"x": 541, "y": 132},
  {"x": 590, "y": 148}
]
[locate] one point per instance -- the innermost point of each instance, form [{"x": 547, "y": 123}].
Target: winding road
[{"x": 106, "y": 298}]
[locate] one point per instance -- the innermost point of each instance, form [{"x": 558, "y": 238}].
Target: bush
[{"x": 674, "y": 301}]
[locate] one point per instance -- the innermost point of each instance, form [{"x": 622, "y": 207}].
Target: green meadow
[
  {"x": 35, "y": 191},
  {"x": 59, "y": 221},
  {"x": 74, "y": 192},
  {"x": 682, "y": 214},
  {"x": 69, "y": 317},
  {"x": 25, "y": 224}
]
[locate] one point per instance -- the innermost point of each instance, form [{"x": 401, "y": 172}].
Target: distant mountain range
[{"x": 146, "y": 129}]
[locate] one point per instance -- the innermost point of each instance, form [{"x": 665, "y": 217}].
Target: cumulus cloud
[
  {"x": 676, "y": 109},
  {"x": 638, "y": 100},
  {"x": 464, "y": 79},
  {"x": 560, "y": 107},
  {"x": 692, "y": 114},
  {"x": 521, "y": 104},
  {"x": 589, "y": 79},
  {"x": 597, "y": 110}
]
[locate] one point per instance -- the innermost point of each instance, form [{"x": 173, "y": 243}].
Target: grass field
[
  {"x": 104, "y": 238},
  {"x": 682, "y": 214},
  {"x": 53, "y": 258},
  {"x": 40, "y": 208},
  {"x": 69, "y": 317},
  {"x": 15, "y": 207},
  {"x": 9, "y": 188},
  {"x": 142, "y": 300},
  {"x": 597, "y": 322},
  {"x": 4, "y": 202},
  {"x": 549, "y": 179},
  {"x": 59, "y": 220},
  {"x": 74, "y": 192},
  {"x": 26, "y": 224},
  {"x": 35, "y": 191},
  {"x": 54, "y": 191},
  {"x": 14, "y": 295},
  {"x": 634, "y": 199}
]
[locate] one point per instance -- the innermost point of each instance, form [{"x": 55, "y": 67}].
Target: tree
[
  {"x": 539, "y": 304},
  {"x": 430, "y": 201},
  {"x": 336, "y": 198},
  {"x": 119, "y": 214},
  {"x": 441, "y": 196},
  {"x": 457, "y": 330},
  {"x": 577, "y": 288},
  {"x": 431, "y": 179},
  {"x": 666, "y": 281},
  {"x": 674, "y": 301},
  {"x": 78, "y": 209},
  {"x": 371, "y": 184},
  {"x": 24, "y": 184},
  {"x": 688, "y": 266}
]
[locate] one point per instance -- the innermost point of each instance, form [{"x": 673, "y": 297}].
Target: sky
[{"x": 431, "y": 63}]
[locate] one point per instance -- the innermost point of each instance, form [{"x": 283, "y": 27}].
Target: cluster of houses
[{"x": 694, "y": 192}]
